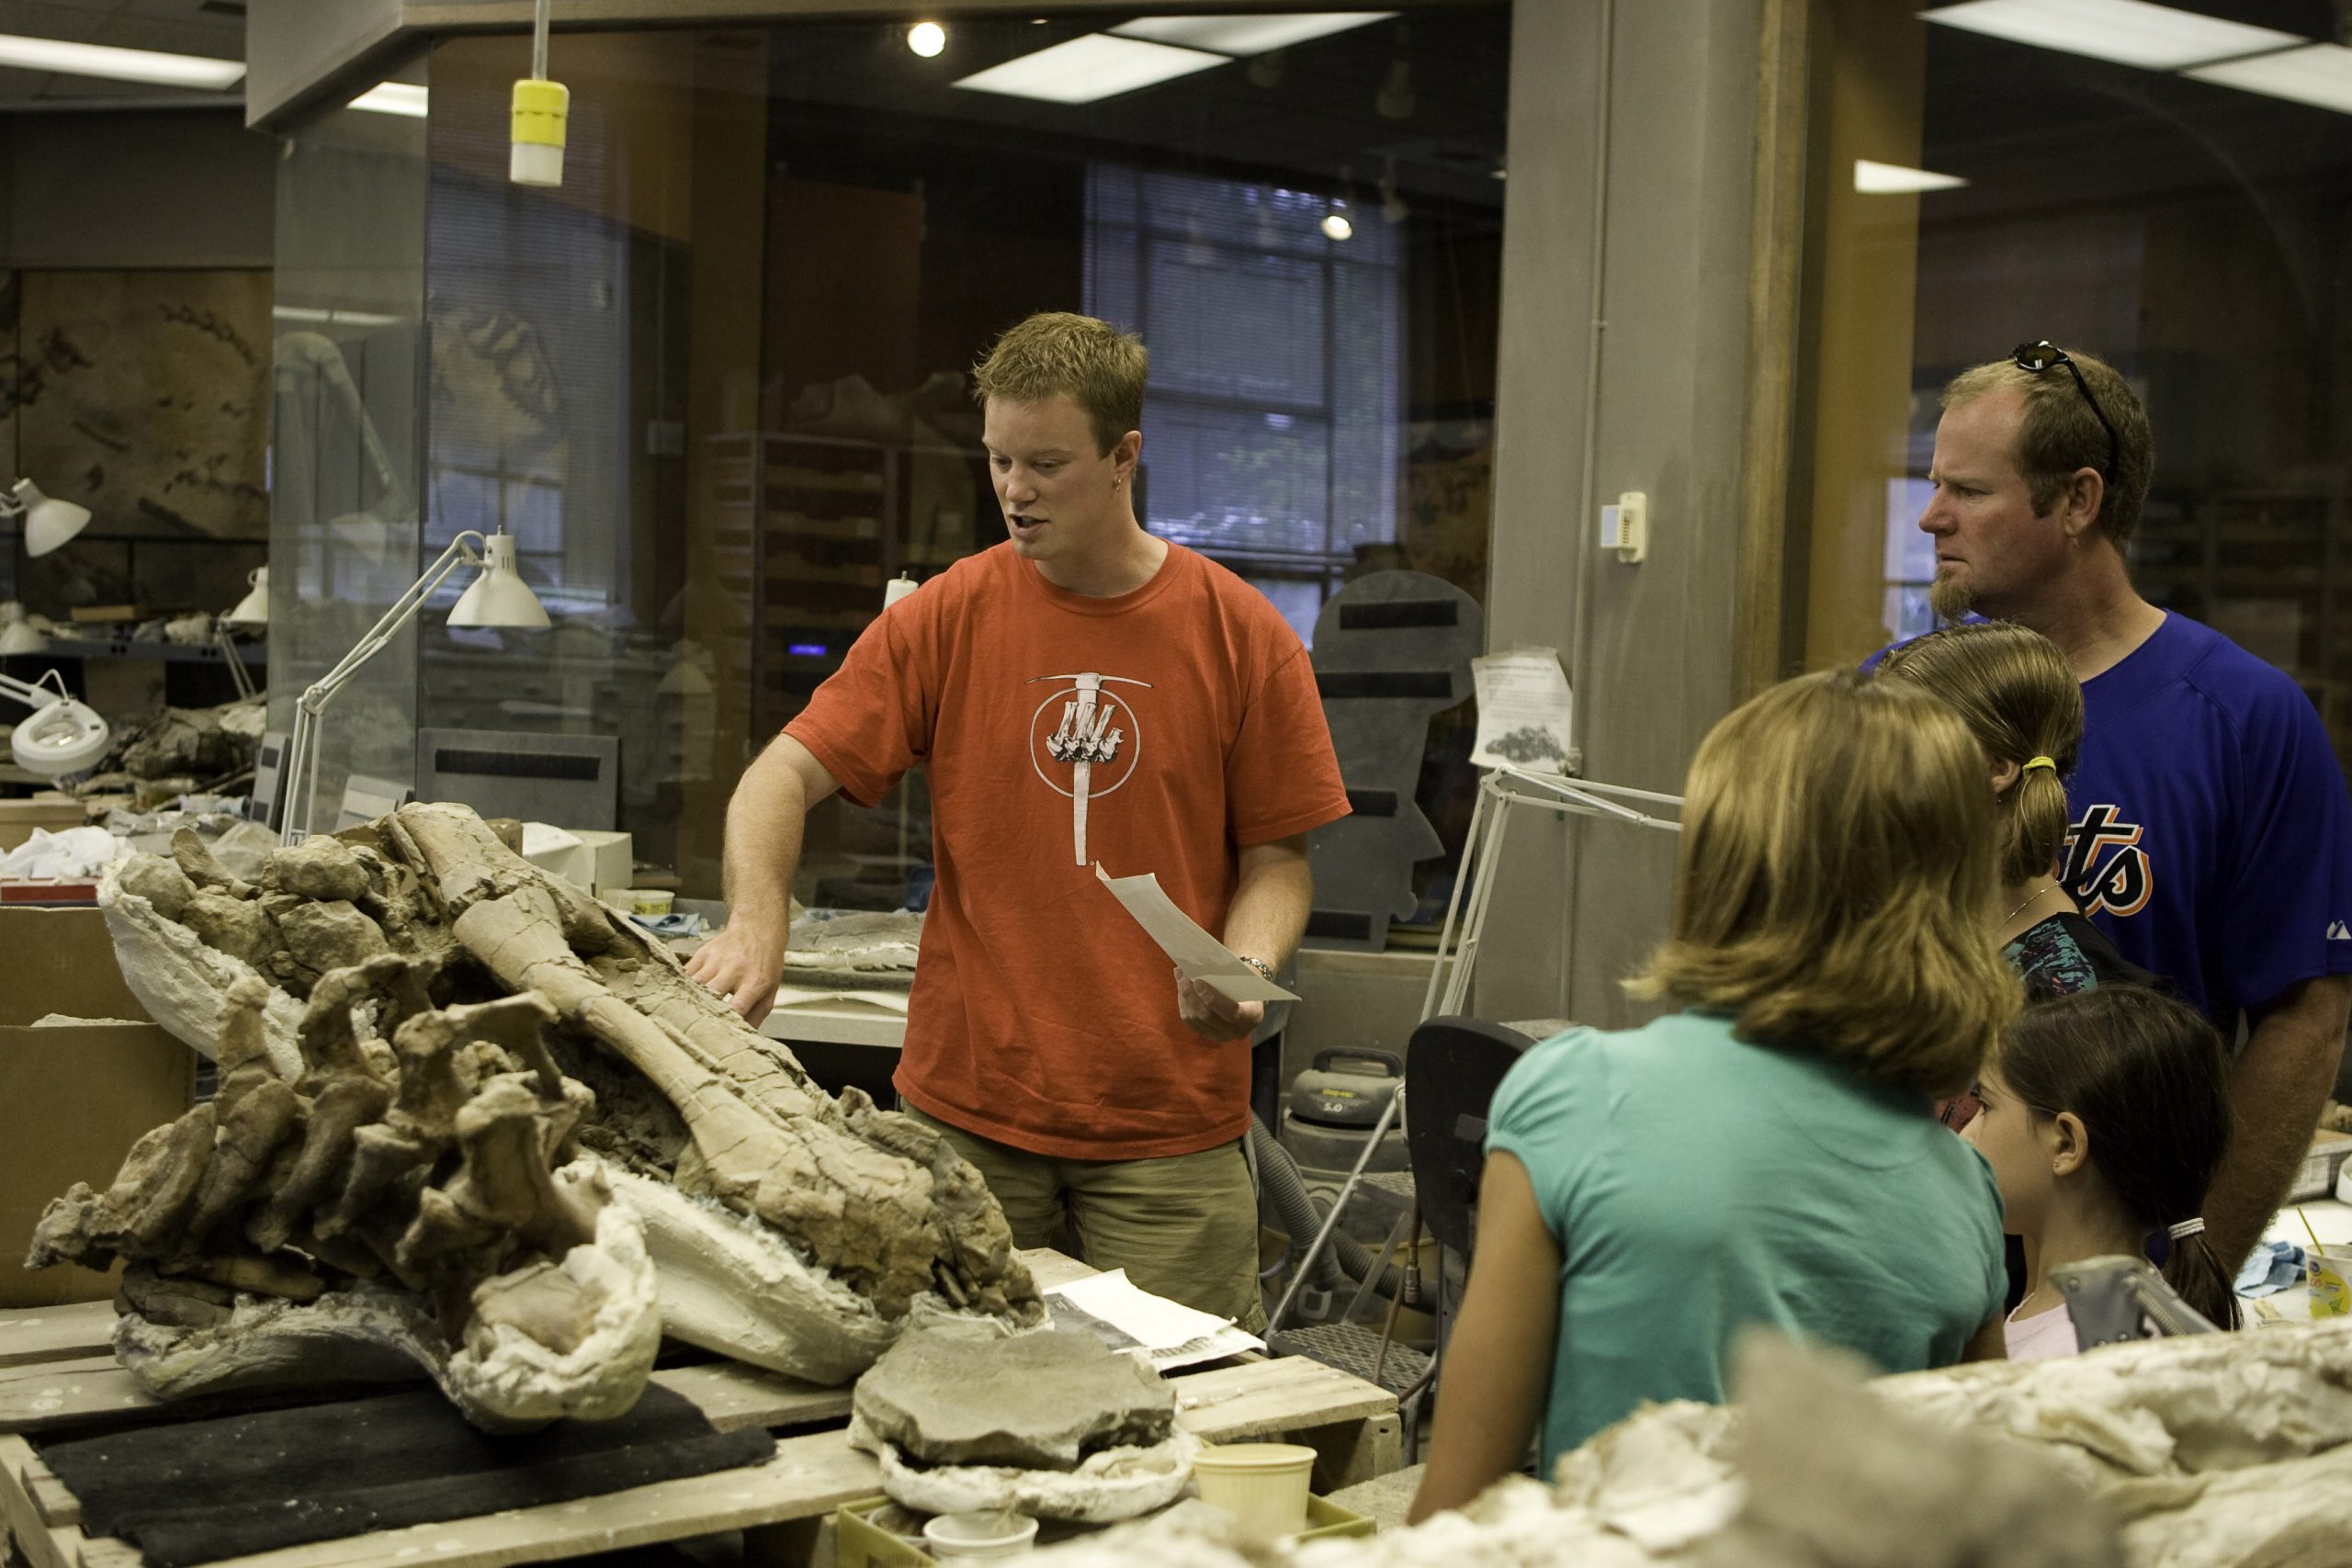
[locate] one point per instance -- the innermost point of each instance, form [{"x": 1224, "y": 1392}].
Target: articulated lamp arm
[{"x": 302, "y": 761}]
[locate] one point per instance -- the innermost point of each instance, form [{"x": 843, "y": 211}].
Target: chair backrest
[{"x": 1452, "y": 1070}]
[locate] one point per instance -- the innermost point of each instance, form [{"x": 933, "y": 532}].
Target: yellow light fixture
[{"x": 541, "y": 111}]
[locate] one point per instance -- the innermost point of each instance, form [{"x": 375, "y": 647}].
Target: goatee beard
[{"x": 1950, "y": 598}]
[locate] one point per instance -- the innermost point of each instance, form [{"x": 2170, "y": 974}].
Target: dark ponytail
[{"x": 2150, "y": 1081}]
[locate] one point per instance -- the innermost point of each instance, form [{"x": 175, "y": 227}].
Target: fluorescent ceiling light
[
  {"x": 392, "y": 97},
  {"x": 2129, "y": 32},
  {"x": 1247, "y": 35},
  {"x": 1088, "y": 69},
  {"x": 1873, "y": 178},
  {"x": 118, "y": 64},
  {"x": 2320, "y": 75},
  {"x": 338, "y": 318}
]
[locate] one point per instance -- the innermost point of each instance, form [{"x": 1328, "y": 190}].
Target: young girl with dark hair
[{"x": 2105, "y": 1115}]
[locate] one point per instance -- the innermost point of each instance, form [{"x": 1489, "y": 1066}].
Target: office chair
[{"x": 1451, "y": 1069}]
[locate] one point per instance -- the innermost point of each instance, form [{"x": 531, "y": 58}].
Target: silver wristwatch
[{"x": 1260, "y": 966}]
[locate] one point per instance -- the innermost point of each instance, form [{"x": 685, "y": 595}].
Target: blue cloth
[
  {"x": 2270, "y": 1268},
  {"x": 2211, "y": 836},
  {"x": 1697, "y": 1185}
]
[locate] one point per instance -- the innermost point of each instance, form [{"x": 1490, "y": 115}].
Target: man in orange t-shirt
[{"x": 1083, "y": 694}]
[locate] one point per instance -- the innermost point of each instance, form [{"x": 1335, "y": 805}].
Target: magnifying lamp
[
  {"x": 63, "y": 736},
  {"x": 48, "y": 522}
]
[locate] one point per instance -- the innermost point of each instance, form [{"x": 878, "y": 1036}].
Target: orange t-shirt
[{"x": 1042, "y": 1016}]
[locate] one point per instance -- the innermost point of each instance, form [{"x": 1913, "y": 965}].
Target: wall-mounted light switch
[{"x": 1625, "y": 527}]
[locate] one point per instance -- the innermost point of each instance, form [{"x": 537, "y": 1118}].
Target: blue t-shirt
[
  {"x": 1698, "y": 1184},
  {"x": 2211, "y": 836}
]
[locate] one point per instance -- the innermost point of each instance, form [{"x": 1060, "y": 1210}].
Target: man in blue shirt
[{"x": 2212, "y": 835}]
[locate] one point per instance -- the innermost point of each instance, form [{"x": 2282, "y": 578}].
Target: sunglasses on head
[{"x": 2036, "y": 357}]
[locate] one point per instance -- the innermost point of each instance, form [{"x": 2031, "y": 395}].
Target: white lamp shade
[
  {"x": 21, "y": 636},
  {"x": 253, "y": 610},
  {"x": 64, "y": 736},
  {"x": 48, "y": 523},
  {"x": 499, "y": 597}
]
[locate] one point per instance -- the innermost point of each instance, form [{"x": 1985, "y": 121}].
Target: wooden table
[{"x": 57, "y": 1378}]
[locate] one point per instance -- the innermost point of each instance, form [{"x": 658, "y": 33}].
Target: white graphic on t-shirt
[
  {"x": 1088, "y": 736},
  {"x": 2339, "y": 932},
  {"x": 2119, "y": 885}
]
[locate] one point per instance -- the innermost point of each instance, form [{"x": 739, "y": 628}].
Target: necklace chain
[{"x": 2030, "y": 898}]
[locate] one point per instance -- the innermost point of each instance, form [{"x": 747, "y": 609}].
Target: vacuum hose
[{"x": 1278, "y": 1179}]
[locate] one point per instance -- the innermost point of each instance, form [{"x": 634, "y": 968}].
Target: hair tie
[
  {"x": 2186, "y": 1229},
  {"x": 2034, "y": 762}
]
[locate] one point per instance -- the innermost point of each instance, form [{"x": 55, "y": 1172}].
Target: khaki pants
[{"x": 1183, "y": 1227}]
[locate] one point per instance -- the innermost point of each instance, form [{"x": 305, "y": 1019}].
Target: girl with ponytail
[
  {"x": 2021, "y": 702},
  {"x": 2105, "y": 1115}
]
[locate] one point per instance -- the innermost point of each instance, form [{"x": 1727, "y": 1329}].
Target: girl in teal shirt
[{"x": 1770, "y": 1155}]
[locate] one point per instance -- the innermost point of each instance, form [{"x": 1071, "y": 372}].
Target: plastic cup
[
  {"x": 1264, "y": 1485},
  {"x": 984, "y": 1533},
  {"x": 2331, "y": 1281},
  {"x": 648, "y": 901}
]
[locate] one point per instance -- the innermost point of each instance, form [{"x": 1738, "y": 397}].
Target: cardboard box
[
  {"x": 49, "y": 810},
  {"x": 73, "y": 1097},
  {"x": 2318, "y": 1175},
  {"x": 600, "y": 861}
]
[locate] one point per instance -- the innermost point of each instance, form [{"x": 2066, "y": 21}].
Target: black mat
[{"x": 202, "y": 1489}]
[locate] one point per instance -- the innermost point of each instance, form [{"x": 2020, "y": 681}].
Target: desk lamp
[
  {"x": 249, "y": 614},
  {"x": 63, "y": 736},
  {"x": 253, "y": 610},
  {"x": 499, "y": 597},
  {"x": 48, "y": 522}
]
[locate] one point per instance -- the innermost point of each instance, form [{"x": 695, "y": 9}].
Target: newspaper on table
[
  {"x": 1200, "y": 956},
  {"x": 1524, "y": 705},
  {"x": 1128, "y": 1318}
]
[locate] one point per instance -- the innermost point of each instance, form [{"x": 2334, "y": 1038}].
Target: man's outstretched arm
[
  {"x": 2283, "y": 1076},
  {"x": 744, "y": 962}
]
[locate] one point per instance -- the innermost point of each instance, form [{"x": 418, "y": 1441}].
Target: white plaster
[{"x": 1116, "y": 1483}]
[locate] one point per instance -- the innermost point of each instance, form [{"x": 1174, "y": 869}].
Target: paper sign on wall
[{"x": 1524, "y": 710}]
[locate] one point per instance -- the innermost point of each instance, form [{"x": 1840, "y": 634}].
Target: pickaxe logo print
[{"x": 1097, "y": 736}]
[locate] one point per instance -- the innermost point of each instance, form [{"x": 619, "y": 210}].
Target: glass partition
[
  {"x": 347, "y": 435},
  {"x": 716, "y": 385},
  {"x": 2183, "y": 221}
]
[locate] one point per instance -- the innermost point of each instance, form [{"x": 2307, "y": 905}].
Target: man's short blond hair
[
  {"x": 2061, "y": 434},
  {"x": 1834, "y": 887},
  {"x": 1100, "y": 367}
]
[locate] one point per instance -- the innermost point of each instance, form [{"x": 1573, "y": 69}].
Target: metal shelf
[{"x": 253, "y": 653}]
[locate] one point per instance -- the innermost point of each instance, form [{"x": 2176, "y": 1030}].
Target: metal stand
[
  {"x": 1482, "y": 853},
  {"x": 1481, "y": 849}
]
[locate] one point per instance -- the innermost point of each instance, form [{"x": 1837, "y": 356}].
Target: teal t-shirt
[{"x": 1697, "y": 1184}]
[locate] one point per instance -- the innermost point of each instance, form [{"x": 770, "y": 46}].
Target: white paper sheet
[
  {"x": 1200, "y": 956},
  {"x": 790, "y": 996},
  {"x": 1127, "y": 1318},
  {"x": 1523, "y": 711}
]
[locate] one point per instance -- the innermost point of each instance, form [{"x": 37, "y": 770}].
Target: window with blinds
[{"x": 1272, "y": 438}]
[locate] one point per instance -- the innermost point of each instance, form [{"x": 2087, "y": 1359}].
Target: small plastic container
[
  {"x": 2331, "y": 1281},
  {"x": 649, "y": 901},
  {"x": 986, "y": 1533},
  {"x": 1262, "y": 1484}
]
